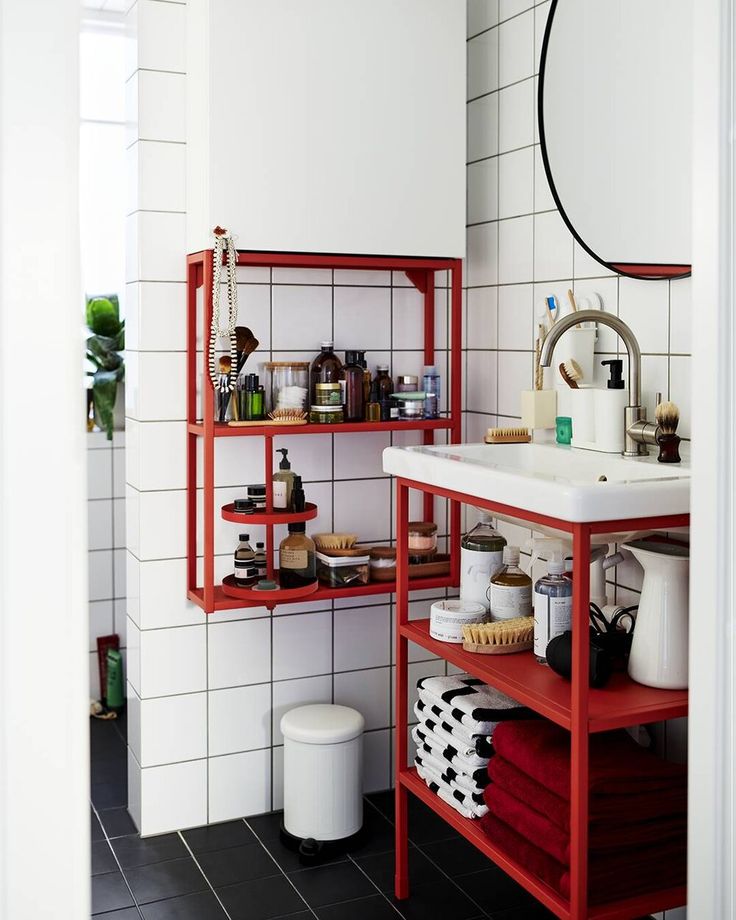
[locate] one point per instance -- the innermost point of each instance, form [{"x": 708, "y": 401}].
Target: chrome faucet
[{"x": 638, "y": 432}]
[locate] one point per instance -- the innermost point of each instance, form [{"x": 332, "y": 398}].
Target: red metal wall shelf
[
  {"x": 228, "y": 513},
  {"x": 421, "y": 273}
]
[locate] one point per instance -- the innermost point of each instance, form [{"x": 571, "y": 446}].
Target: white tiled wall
[
  {"x": 519, "y": 251},
  {"x": 206, "y": 694},
  {"x": 106, "y": 515}
]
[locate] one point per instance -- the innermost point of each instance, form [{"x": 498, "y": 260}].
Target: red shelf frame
[
  {"x": 421, "y": 273},
  {"x": 269, "y": 518},
  {"x": 573, "y": 705}
]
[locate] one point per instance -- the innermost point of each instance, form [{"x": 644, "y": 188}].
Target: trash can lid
[{"x": 322, "y": 723}]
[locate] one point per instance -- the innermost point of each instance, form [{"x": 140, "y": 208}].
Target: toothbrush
[
  {"x": 573, "y": 304},
  {"x": 553, "y": 308}
]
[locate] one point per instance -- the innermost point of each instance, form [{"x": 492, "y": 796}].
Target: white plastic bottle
[{"x": 510, "y": 592}]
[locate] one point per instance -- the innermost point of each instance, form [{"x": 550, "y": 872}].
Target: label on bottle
[
  {"x": 343, "y": 392},
  {"x": 244, "y": 571},
  {"x": 279, "y": 493},
  {"x": 508, "y": 601},
  {"x": 294, "y": 558},
  {"x": 476, "y": 571},
  {"x": 552, "y": 617}
]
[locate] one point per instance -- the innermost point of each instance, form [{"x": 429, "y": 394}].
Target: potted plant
[{"x": 104, "y": 347}]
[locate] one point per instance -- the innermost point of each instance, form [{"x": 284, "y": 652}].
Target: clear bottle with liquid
[
  {"x": 260, "y": 561},
  {"x": 245, "y": 571},
  {"x": 297, "y": 562},
  {"x": 552, "y": 606},
  {"x": 481, "y": 556},
  {"x": 510, "y": 591},
  {"x": 431, "y": 387}
]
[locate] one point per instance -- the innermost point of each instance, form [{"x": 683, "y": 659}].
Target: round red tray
[
  {"x": 265, "y": 598},
  {"x": 269, "y": 517}
]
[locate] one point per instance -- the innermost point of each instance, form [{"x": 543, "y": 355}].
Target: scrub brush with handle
[{"x": 667, "y": 416}]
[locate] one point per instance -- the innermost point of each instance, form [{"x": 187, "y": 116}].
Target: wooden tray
[
  {"x": 440, "y": 565},
  {"x": 498, "y": 649}
]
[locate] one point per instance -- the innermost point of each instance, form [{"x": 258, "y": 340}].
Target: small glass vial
[
  {"x": 383, "y": 385},
  {"x": 259, "y": 559},
  {"x": 431, "y": 383},
  {"x": 245, "y": 573},
  {"x": 552, "y": 607},
  {"x": 510, "y": 592},
  {"x": 353, "y": 373},
  {"x": 407, "y": 383},
  {"x": 297, "y": 562}
]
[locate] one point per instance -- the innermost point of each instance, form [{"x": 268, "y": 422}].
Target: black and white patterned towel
[
  {"x": 445, "y": 731},
  {"x": 449, "y": 775},
  {"x": 471, "y": 702},
  {"x": 444, "y": 751},
  {"x": 473, "y": 783},
  {"x": 427, "y": 713},
  {"x": 461, "y": 802}
]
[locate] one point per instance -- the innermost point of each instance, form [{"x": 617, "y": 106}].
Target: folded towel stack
[
  {"x": 457, "y": 716},
  {"x": 637, "y": 810}
]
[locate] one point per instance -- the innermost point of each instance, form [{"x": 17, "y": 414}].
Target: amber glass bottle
[
  {"x": 353, "y": 375},
  {"x": 297, "y": 563},
  {"x": 326, "y": 368}
]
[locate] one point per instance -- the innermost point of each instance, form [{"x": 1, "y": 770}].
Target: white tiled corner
[
  {"x": 155, "y": 243},
  {"x": 515, "y": 250},
  {"x": 155, "y": 386},
  {"x": 482, "y": 127},
  {"x": 173, "y": 661},
  {"x": 302, "y": 317},
  {"x": 515, "y": 316},
  {"x": 156, "y": 175},
  {"x": 516, "y": 182},
  {"x": 277, "y": 781},
  {"x": 516, "y": 48},
  {"x": 516, "y": 116},
  {"x": 362, "y": 507},
  {"x": 173, "y": 797},
  {"x": 362, "y": 318},
  {"x": 552, "y": 247},
  {"x": 289, "y": 694},
  {"x": 134, "y": 789},
  {"x": 302, "y": 645},
  {"x": 160, "y": 586},
  {"x": 483, "y": 64},
  {"x": 482, "y": 14},
  {"x": 173, "y": 729},
  {"x": 155, "y": 316},
  {"x": 161, "y": 519},
  {"x": 161, "y": 105},
  {"x": 133, "y": 662},
  {"x": 156, "y": 455},
  {"x": 161, "y": 36},
  {"x": 239, "y": 719},
  {"x": 482, "y": 263},
  {"x": 362, "y": 638},
  {"x": 368, "y": 692},
  {"x": 239, "y": 653},
  {"x": 240, "y": 785},
  {"x": 482, "y": 191},
  {"x": 644, "y": 305}
]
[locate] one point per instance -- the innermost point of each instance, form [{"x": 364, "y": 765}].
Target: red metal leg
[
  {"x": 208, "y": 442},
  {"x": 401, "y": 881},
  {"x": 429, "y": 334},
  {"x": 268, "y": 472},
  {"x": 455, "y": 403},
  {"x": 191, "y": 417},
  {"x": 579, "y": 784}
]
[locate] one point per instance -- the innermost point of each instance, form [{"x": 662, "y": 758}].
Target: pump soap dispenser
[
  {"x": 610, "y": 406},
  {"x": 283, "y": 482}
]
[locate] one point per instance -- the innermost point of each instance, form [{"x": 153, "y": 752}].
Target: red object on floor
[
  {"x": 618, "y": 765},
  {"x": 626, "y": 873},
  {"x": 603, "y": 808}
]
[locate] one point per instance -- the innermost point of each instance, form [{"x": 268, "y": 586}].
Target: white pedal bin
[{"x": 323, "y": 771}]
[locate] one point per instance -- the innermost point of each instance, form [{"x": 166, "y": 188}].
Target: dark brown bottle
[
  {"x": 383, "y": 385},
  {"x": 326, "y": 368},
  {"x": 353, "y": 376}
]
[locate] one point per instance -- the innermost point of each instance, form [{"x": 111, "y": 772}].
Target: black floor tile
[
  {"x": 534, "y": 911},
  {"x": 266, "y": 827},
  {"x": 380, "y": 868},
  {"x": 165, "y": 880},
  {"x": 456, "y": 856},
  {"x": 378, "y": 835},
  {"x": 373, "y": 908},
  {"x": 289, "y": 860},
  {"x": 109, "y": 892},
  {"x": 129, "y": 913},
  {"x": 237, "y": 864},
  {"x": 218, "y": 836},
  {"x": 102, "y": 858},
  {"x": 440, "y": 899},
  {"x": 494, "y": 891},
  {"x": 117, "y": 822},
  {"x": 330, "y": 884},
  {"x": 201, "y": 906},
  {"x": 425, "y": 826},
  {"x": 131, "y": 851},
  {"x": 109, "y": 770},
  {"x": 261, "y": 899},
  {"x": 110, "y": 795},
  {"x": 96, "y": 832},
  {"x": 384, "y": 802}
]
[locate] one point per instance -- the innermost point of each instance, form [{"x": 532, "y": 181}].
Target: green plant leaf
[
  {"x": 103, "y": 315},
  {"x": 104, "y": 390},
  {"x": 104, "y": 350}
]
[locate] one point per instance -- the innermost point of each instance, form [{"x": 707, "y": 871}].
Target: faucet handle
[{"x": 657, "y": 399}]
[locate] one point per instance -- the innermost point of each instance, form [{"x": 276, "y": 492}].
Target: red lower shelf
[
  {"x": 228, "y": 513},
  {"x": 621, "y": 703},
  {"x": 226, "y": 431},
  {"x": 471, "y": 830}
]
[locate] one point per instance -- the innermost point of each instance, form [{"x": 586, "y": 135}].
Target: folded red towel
[
  {"x": 606, "y": 837},
  {"x": 602, "y": 809},
  {"x": 613, "y": 877},
  {"x": 618, "y": 765}
]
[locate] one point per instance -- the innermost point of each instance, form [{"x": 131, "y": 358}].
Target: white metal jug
[{"x": 660, "y": 647}]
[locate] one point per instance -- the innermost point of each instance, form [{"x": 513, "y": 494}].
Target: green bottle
[{"x": 114, "y": 695}]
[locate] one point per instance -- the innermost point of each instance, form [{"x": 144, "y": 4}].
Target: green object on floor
[{"x": 114, "y": 697}]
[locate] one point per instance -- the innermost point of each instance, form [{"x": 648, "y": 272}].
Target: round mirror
[{"x": 614, "y": 122}]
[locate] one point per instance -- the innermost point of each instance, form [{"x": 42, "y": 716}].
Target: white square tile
[
  {"x": 482, "y": 317},
  {"x": 515, "y": 316},
  {"x": 376, "y": 761},
  {"x": 482, "y": 259},
  {"x": 161, "y": 588},
  {"x": 239, "y": 653},
  {"x": 120, "y": 619},
  {"x": 543, "y": 200},
  {"x": 157, "y": 173},
  {"x": 133, "y": 669},
  {"x": 302, "y": 645},
  {"x": 132, "y": 92},
  {"x": 118, "y": 473},
  {"x": 655, "y": 376},
  {"x": 100, "y": 622},
  {"x": 160, "y": 311},
  {"x": 134, "y": 790},
  {"x": 359, "y": 455},
  {"x": 481, "y": 392},
  {"x": 483, "y": 191},
  {"x": 516, "y": 250},
  {"x": 240, "y": 785},
  {"x": 240, "y": 462},
  {"x": 483, "y": 64},
  {"x": 99, "y": 474},
  {"x": 118, "y": 572},
  {"x": 161, "y": 36},
  {"x": 118, "y": 523},
  {"x": 100, "y": 575},
  {"x": 362, "y": 318},
  {"x": 254, "y": 312},
  {"x": 173, "y": 797},
  {"x": 600, "y": 293},
  {"x": 368, "y": 692},
  {"x": 362, "y": 507},
  {"x": 541, "y": 12},
  {"x": 408, "y": 318},
  {"x": 99, "y": 524},
  {"x": 552, "y": 247},
  {"x": 161, "y": 106},
  {"x": 157, "y": 455},
  {"x": 173, "y": 729},
  {"x": 239, "y": 719},
  {"x": 133, "y": 717},
  {"x": 681, "y": 316},
  {"x": 277, "y": 781},
  {"x": 516, "y": 48},
  {"x": 289, "y": 694},
  {"x": 173, "y": 661},
  {"x": 483, "y": 127},
  {"x": 588, "y": 267},
  {"x": 155, "y": 388},
  {"x": 482, "y": 14},
  {"x": 680, "y": 391},
  {"x": 644, "y": 305},
  {"x": 514, "y": 375},
  {"x": 302, "y": 275},
  {"x": 362, "y": 638},
  {"x": 510, "y": 8},
  {"x": 302, "y": 317},
  {"x": 160, "y": 247},
  {"x": 516, "y": 116},
  {"x": 367, "y": 278},
  {"x": 516, "y": 183},
  {"x": 162, "y": 521}
]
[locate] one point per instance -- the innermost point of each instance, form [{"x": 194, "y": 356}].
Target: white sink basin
[{"x": 549, "y": 479}]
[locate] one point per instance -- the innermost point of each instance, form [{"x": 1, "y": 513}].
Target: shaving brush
[{"x": 668, "y": 417}]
